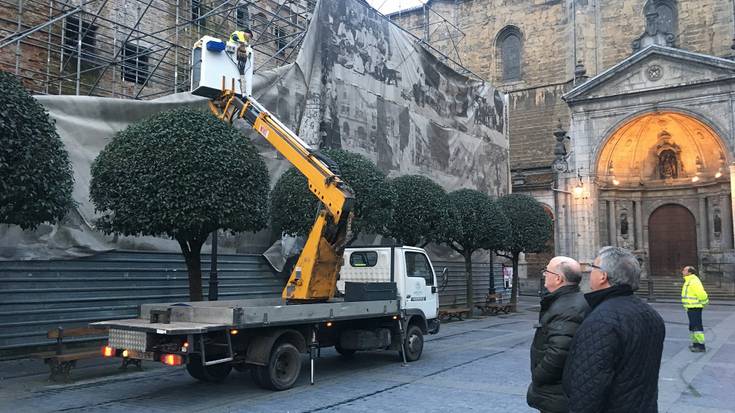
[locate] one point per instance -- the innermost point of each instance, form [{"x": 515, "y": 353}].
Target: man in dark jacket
[
  {"x": 562, "y": 310},
  {"x": 615, "y": 357}
]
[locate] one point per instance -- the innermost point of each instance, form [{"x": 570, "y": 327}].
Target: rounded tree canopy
[
  {"x": 35, "y": 173},
  {"x": 293, "y": 207},
  {"x": 473, "y": 221},
  {"x": 181, "y": 173},
  {"x": 420, "y": 205},
  {"x": 530, "y": 224}
]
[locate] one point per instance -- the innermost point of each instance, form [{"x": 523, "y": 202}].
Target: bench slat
[
  {"x": 43, "y": 355},
  {"x": 76, "y": 356}
]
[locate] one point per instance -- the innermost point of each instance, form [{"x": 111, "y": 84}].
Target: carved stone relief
[
  {"x": 669, "y": 157},
  {"x": 654, "y": 72},
  {"x": 624, "y": 224}
]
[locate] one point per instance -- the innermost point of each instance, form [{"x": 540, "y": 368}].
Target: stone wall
[{"x": 602, "y": 31}]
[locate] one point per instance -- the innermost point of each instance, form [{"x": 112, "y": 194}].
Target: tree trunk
[
  {"x": 468, "y": 278},
  {"x": 491, "y": 284},
  {"x": 192, "y": 255},
  {"x": 514, "y": 289}
]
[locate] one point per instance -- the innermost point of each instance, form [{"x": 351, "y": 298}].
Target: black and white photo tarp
[{"x": 359, "y": 83}]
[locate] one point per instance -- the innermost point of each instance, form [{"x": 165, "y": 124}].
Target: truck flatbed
[{"x": 206, "y": 316}]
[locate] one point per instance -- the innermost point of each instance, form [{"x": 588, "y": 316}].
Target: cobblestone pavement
[{"x": 477, "y": 365}]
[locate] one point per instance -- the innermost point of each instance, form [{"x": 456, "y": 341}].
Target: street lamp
[
  {"x": 579, "y": 190},
  {"x": 611, "y": 173}
]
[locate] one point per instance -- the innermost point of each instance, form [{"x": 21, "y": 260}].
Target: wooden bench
[
  {"x": 494, "y": 305},
  {"x": 446, "y": 314},
  {"x": 61, "y": 360}
]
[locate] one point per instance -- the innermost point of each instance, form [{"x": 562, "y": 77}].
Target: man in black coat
[
  {"x": 562, "y": 310},
  {"x": 615, "y": 357}
]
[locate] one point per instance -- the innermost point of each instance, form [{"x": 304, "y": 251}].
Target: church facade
[{"x": 621, "y": 118}]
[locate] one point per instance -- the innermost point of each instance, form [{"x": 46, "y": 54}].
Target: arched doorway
[
  {"x": 672, "y": 240},
  {"x": 663, "y": 183}
]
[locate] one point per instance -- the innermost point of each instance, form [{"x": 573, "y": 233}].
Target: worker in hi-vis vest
[{"x": 694, "y": 298}]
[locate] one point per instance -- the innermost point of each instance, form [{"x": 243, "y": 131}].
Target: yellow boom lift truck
[{"x": 389, "y": 296}]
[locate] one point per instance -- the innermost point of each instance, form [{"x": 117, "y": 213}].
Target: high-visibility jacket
[{"x": 692, "y": 292}]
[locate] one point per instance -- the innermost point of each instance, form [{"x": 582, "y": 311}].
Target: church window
[
  {"x": 509, "y": 48},
  {"x": 667, "y": 19}
]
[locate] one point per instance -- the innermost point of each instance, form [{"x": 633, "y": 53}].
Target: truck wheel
[
  {"x": 343, "y": 351},
  {"x": 282, "y": 370},
  {"x": 213, "y": 373},
  {"x": 414, "y": 343}
]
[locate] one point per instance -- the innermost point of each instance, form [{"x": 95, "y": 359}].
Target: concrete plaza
[{"x": 476, "y": 365}]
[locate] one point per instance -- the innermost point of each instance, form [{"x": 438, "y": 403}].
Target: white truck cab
[{"x": 409, "y": 267}]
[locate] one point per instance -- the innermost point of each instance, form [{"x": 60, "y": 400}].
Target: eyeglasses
[
  {"x": 595, "y": 267},
  {"x": 545, "y": 270}
]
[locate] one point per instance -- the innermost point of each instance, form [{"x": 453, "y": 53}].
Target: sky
[{"x": 390, "y": 6}]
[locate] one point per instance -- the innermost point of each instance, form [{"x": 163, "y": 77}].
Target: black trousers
[{"x": 695, "y": 319}]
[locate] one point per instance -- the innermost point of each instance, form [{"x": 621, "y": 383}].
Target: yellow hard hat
[{"x": 240, "y": 36}]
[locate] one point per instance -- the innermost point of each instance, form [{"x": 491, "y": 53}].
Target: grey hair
[
  {"x": 621, "y": 266},
  {"x": 571, "y": 275}
]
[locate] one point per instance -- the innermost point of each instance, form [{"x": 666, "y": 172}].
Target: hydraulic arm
[
  {"x": 314, "y": 277},
  {"x": 222, "y": 71}
]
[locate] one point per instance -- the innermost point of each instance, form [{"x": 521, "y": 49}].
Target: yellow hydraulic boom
[{"x": 314, "y": 277}]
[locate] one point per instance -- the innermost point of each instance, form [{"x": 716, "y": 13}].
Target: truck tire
[
  {"x": 282, "y": 370},
  {"x": 343, "y": 351},
  {"x": 414, "y": 343},
  {"x": 213, "y": 373}
]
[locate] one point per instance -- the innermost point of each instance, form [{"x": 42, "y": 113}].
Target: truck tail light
[
  {"x": 108, "y": 351},
  {"x": 172, "y": 359}
]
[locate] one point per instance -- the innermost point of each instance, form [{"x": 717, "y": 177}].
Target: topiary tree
[
  {"x": 294, "y": 208},
  {"x": 181, "y": 174},
  {"x": 472, "y": 222},
  {"x": 420, "y": 205},
  {"x": 35, "y": 173},
  {"x": 530, "y": 229}
]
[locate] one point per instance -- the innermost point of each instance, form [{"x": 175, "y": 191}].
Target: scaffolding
[
  {"x": 141, "y": 49},
  {"x": 436, "y": 32},
  {"x": 136, "y": 49}
]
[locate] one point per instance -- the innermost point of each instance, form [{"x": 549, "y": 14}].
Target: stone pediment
[{"x": 653, "y": 68}]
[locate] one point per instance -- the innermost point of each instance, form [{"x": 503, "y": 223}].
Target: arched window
[
  {"x": 667, "y": 19},
  {"x": 509, "y": 48}
]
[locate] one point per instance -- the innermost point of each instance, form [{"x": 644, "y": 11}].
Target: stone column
[
  {"x": 638, "y": 225},
  {"x": 702, "y": 243},
  {"x": 732, "y": 195},
  {"x": 726, "y": 214},
  {"x": 612, "y": 223}
]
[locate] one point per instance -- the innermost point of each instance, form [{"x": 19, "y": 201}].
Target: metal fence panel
[{"x": 36, "y": 296}]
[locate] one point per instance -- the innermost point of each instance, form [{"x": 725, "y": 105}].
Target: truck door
[{"x": 421, "y": 291}]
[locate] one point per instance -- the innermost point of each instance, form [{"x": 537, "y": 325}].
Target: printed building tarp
[{"x": 359, "y": 83}]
